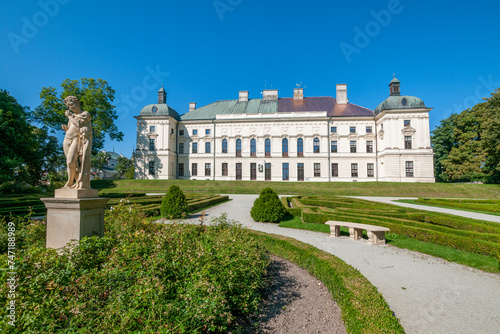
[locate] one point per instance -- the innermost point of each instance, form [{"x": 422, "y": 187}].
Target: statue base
[
  {"x": 73, "y": 218},
  {"x": 76, "y": 193}
]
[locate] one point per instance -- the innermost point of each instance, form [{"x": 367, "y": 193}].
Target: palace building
[{"x": 287, "y": 139}]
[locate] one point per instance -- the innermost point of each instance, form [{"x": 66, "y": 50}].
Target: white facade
[{"x": 226, "y": 140}]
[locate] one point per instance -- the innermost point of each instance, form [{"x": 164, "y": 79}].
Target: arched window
[
  {"x": 316, "y": 145},
  {"x": 284, "y": 147},
  {"x": 224, "y": 145},
  {"x": 253, "y": 147},
  {"x": 238, "y": 147},
  {"x": 300, "y": 147},
  {"x": 268, "y": 147}
]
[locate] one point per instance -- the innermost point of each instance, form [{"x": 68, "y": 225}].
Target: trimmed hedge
[
  {"x": 174, "y": 205},
  {"x": 268, "y": 207},
  {"x": 363, "y": 308}
]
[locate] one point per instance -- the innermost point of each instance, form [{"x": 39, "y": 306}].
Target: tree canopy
[
  {"x": 467, "y": 145},
  {"x": 27, "y": 151},
  {"x": 96, "y": 97}
]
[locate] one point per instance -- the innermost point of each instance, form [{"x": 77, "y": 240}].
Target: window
[
  {"x": 207, "y": 131},
  {"x": 268, "y": 147},
  {"x": 369, "y": 129},
  {"x": 370, "y": 170},
  {"x": 194, "y": 169},
  {"x": 151, "y": 168},
  {"x": 238, "y": 171},
  {"x": 154, "y": 109},
  {"x": 353, "y": 146},
  {"x": 171, "y": 131},
  {"x": 333, "y": 129},
  {"x": 285, "y": 172},
  {"x": 207, "y": 147},
  {"x": 224, "y": 169},
  {"x": 300, "y": 147},
  {"x": 300, "y": 172},
  {"x": 334, "y": 146},
  {"x": 369, "y": 147},
  {"x": 352, "y": 129},
  {"x": 316, "y": 145},
  {"x": 354, "y": 170},
  {"x": 208, "y": 168},
  {"x": 253, "y": 147},
  {"x": 195, "y": 147},
  {"x": 406, "y": 122},
  {"x": 224, "y": 145},
  {"x": 335, "y": 169},
  {"x": 151, "y": 144},
  {"x": 181, "y": 132},
  {"x": 152, "y": 128},
  {"x": 181, "y": 169},
  {"x": 238, "y": 147},
  {"x": 195, "y": 132},
  {"x": 317, "y": 170},
  {"x": 284, "y": 147},
  {"x": 409, "y": 168},
  {"x": 181, "y": 148},
  {"x": 404, "y": 102},
  {"x": 253, "y": 171},
  {"x": 268, "y": 171},
  {"x": 408, "y": 142}
]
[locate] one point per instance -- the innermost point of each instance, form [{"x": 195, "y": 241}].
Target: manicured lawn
[
  {"x": 491, "y": 207},
  {"x": 307, "y": 188}
]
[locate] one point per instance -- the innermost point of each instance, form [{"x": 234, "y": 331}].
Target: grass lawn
[
  {"x": 490, "y": 207},
  {"x": 459, "y": 190}
]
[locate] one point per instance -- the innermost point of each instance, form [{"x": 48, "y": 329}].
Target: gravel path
[{"x": 427, "y": 294}]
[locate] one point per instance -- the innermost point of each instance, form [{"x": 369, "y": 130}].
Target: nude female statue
[{"x": 77, "y": 144}]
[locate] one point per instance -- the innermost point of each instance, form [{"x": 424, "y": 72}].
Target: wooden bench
[{"x": 376, "y": 234}]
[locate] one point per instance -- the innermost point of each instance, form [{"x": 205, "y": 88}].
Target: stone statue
[{"x": 77, "y": 144}]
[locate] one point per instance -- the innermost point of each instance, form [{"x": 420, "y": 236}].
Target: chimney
[
  {"x": 298, "y": 93},
  {"x": 243, "y": 96},
  {"x": 192, "y": 106},
  {"x": 270, "y": 95},
  {"x": 342, "y": 94},
  {"x": 162, "y": 96}
]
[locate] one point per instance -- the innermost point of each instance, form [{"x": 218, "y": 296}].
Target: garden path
[{"x": 427, "y": 294}]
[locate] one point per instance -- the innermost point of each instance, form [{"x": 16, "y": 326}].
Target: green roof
[
  {"x": 227, "y": 107},
  {"x": 397, "y": 102},
  {"x": 161, "y": 110}
]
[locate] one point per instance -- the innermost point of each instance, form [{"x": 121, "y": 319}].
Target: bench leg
[
  {"x": 335, "y": 231},
  {"x": 376, "y": 238},
  {"x": 355, "y": 233}
]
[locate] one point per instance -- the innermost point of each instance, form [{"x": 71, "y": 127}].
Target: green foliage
[
  {"x": 27, "y": 151},
  {"x": 364, "y": 310},
  {"x": 487, "y": 206},
  {"x": 467, "y": 145},
  {"x": 96, "y": 97},
  {"x": 141, "y": 277},
  {"x": 268, "y": 207},
  {"x": 125, "y": 168},
  {"x": 100, "y": 160},
  {"x": 174, "y": 204}
]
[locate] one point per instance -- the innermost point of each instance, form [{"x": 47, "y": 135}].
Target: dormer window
[
  {"x": 404, "y": 102},
  {"x": 154, "y": 109}
]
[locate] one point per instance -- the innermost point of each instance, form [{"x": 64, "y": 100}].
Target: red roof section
[{"x": 328, "y": 104}]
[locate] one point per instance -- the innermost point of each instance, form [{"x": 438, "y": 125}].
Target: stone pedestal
[{"x": 74, "y": 216}]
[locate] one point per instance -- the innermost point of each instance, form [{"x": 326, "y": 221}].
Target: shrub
[
  {"x": 174, "y": 204},
  {"x": 268, "y": 207}
]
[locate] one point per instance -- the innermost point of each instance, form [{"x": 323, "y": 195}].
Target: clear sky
[{"x": 445, "y": 52}]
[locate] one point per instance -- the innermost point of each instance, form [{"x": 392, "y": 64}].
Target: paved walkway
[
  {"x": 468, "y": 214},
  {"x": 427, "y": 294}
]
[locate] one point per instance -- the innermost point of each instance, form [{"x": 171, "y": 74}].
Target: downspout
[
  {"x": 376, "y": 149},
  {"x": 213, "y": 177},
  {"x": 329, "y": 148}
]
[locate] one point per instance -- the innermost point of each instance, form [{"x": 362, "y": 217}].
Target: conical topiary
[
  {"x": 268, "y": 207},
  {"x": 174, "y": 205}
]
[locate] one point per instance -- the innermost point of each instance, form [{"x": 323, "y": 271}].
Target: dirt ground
[{"x": 296, "y": 302}]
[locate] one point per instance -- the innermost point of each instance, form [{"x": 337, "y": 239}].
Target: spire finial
[{"x": 393, "y": 76}]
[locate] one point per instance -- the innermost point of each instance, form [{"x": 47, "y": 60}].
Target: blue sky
[{"x": 445, "y": 52}]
